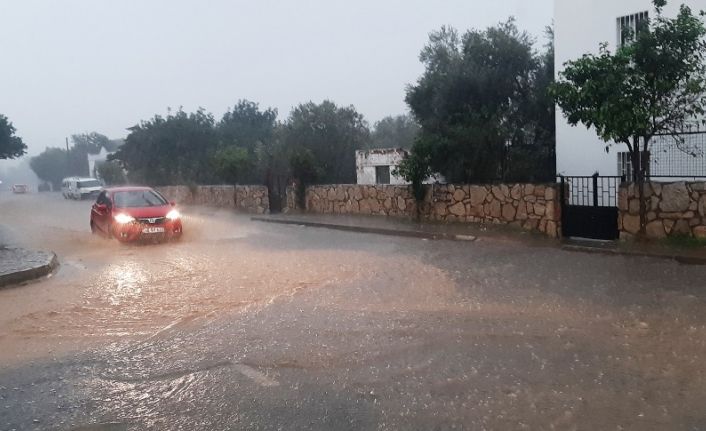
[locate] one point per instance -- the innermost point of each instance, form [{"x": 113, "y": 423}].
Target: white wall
[
  {"x": 580, "y": 26},
  {"x": 367, "y": 160},
  {"x": 101, "y": 157}
]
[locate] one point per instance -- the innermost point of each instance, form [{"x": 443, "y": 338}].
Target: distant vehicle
[
  {"x": 80, "y": 188},
  {"x": 20, "y": 189},
  {"x": 135, "y": 213}
]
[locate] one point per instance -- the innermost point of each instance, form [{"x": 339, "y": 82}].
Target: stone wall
[
  {"x": 214, "y": 196},
  {"x": 673, "y": 209},
  {"x": 180, "y": 194},
  {"x": 387, "y": 200},
  {"x": 250, "y": 199},
  {"x": 531, "y": 207}
]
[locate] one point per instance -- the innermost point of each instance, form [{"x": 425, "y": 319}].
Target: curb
[
  {"x": 372, "y": 230},
  {"x": 685, "y": 260},
  {"x": 30, "y": 274}
]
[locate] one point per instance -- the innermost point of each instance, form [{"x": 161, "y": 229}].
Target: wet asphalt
[{"x": 257, "y": 326}]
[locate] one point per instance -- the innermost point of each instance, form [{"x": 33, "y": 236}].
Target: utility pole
[{"x": 67, "y": 144}]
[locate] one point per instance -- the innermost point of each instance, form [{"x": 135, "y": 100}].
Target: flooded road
[{"x": 255, "y": 326}]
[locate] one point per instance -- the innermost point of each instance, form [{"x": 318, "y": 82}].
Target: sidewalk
[
  {"x": 404, "y": 227},
  {"x": 18, "y": 265},
  {"x": 480, "y": 232}
]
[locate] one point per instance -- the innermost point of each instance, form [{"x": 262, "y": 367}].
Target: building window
[
  {"x": 628, "y": 25},
  {"x": 625, "y": 168},
  {"x": 624, "y": 165},
  {"x": 382, "y": 175}
]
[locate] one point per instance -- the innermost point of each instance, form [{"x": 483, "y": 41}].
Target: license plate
[{"x": 153, "y": 230}]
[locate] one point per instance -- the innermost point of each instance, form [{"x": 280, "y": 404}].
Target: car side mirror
[{"x": 172, "y": 203}]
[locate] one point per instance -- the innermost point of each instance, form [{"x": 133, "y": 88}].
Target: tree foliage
[
  {"x": 395, "y": 132},
  {"x": 175, "y": 149},
  {"x": 233, "y": 164},
  {"x": 11, "y": 146},
  {"x": 192, "y": 148},
  {"x": 478, "y": 101},
  {"x": 52, "y": 166},
  {"x": 655, "y": 83},
  {"x": 111, "y": 173},
  {"x": 246, "y": 142},
  {"x": 415, "y": 168},
  {"x": 245, "y": 125},
  {"x": 329, "y": 135},
  {"x": 93, "y": 142}
]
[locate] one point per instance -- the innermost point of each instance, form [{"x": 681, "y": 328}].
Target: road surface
[{"x": 258, "y": 326}]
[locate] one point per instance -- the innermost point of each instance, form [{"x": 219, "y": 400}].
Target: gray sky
[{"x": 75, "y": 66}]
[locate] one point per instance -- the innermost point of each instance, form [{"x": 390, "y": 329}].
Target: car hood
[{"x": 144, "y": 212}]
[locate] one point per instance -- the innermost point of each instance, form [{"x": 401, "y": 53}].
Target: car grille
[{"x": 153, "y": 220}]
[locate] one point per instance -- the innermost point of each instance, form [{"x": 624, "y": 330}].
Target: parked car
[
  {"x": 135, "y": 213},
  {"x": 80, "y": 188},
  {"x": 20, "y": 188}
]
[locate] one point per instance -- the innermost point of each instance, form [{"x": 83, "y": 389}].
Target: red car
[{"x": 135, "y": 213}]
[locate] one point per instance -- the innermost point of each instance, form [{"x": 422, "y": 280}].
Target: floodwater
[
  {"x": 255, "y": 326},
  {"x": 106, "y": 290}
]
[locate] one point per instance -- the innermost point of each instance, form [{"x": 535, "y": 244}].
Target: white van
[{"x": 80, "y": 188}]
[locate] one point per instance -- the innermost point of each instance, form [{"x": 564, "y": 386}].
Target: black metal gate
[{"x": 590, "y": 206}]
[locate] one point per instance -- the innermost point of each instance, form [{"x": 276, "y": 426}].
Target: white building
[
  {"x": 580, "y": 27},
  {"x": 377, "y": 166},
  {"x": 94, "y": 159}
]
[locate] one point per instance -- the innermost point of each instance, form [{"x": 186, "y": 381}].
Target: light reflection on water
[{"x": 125, "y": 282}]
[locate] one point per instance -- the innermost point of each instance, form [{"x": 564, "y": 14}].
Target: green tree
[
  {"x": 330, "y": 135},
  {"x": 246, "y": 138},
  {"x": 245, "y": 125},
  {"x": 176, "y": 149},
  {"x": 11, "y": 146},
  {"x": 273, "y": 161},
  {"x": 395, "y": 132},
  {"x": 77, "y": 162},
  {"x": 416, "y": 169},
  {"x": 531, "y": 155},
  {"x": 54, "y": 164},
  {"x": 233, "y": 164},
  {"x": 111, "y": 173},
  {"x": 476, "y": 101},
  {"x": 93, "y": 142},
  {"x": 51, "y": 166},
  {"x": 655, "y": 83},
  {"x": 306, "y": 169}
]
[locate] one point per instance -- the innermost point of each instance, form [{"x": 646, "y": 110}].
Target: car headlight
[
  {"x": 124, "y": 218},
  {"x": 173, "y": 215}
]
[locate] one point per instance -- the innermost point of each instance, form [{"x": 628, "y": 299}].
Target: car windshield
[
  {"x": 89, "y": 183},
  {"x": 138, "y": 198}
]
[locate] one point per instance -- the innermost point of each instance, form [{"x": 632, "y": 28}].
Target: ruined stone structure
[
  {"x": 674, "y": 209},
  {"x": 249, "y": 199},
  {"x": 368, "y": 164},
  {"x": 528, "y": 206}
]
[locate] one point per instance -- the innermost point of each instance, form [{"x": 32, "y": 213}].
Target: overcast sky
[{"x": 75, "y": 66}]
